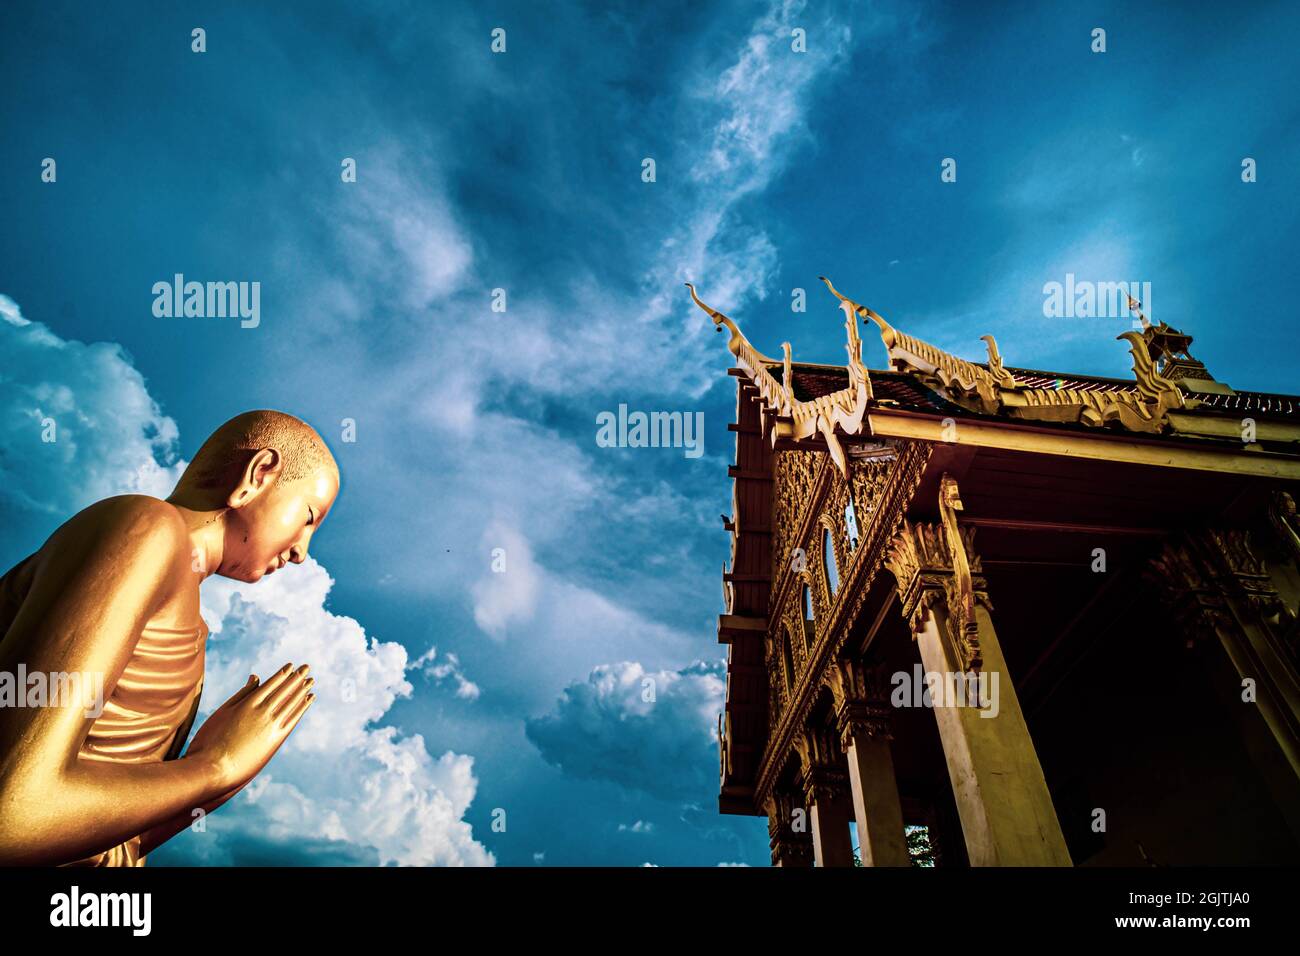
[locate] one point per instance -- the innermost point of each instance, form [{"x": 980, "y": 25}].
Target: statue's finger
[
  {"x": 291, "y": 719},
  {"x": 273, "y": 683},
  {"x": 283, "y": 691},
  {"x": 250, "y": 686},
  {"x": 287, "y": 701}
]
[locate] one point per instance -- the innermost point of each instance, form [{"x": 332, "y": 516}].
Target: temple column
[
  {"x": 862, "y": 717},
  {"x": 1002, "y": 798},
  {"x": 1223, "y": 597},
  {"x": 787, "y": 830},
  {"x": 825, "y": 786}
]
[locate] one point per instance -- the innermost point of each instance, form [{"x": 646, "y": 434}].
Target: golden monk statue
[{"x": 113, "y": 596}]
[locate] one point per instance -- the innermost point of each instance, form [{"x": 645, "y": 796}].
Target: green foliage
[{"x": 919, "y": 847}]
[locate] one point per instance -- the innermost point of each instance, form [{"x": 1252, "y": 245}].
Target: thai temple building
[{"x": 984, "y": 615}]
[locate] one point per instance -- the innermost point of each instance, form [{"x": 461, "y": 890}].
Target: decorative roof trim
[
  {"x": 995, "y": 391},
  {"x": 839, "y": 413},
  {"x": 1143, "y": 406}
]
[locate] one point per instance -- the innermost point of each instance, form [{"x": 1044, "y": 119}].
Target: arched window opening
[
  {"x": 788, "y": 654},
  {"x": 851, "y": 525},
  {"x": 809, "y": 628},
  {"x": 828, "y": 561}
]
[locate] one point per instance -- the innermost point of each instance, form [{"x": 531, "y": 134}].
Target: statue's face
[{"x": 277, "y": 526}]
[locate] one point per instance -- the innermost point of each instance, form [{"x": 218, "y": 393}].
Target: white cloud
[
  {"x": 341, "y": 775},
  {"x": 763, "y": 93},
  {"x": 398, "y": 232},
  {"x": 648, "y": 731},
  {"x": 754, "y": 119},
  {"x": 509, "y": 595},
  {"x": 446, "y": 669},
  {"x": 110, "y": 437},
  {"x": 10, "y": 312},
  {"x": 402, "y": 240}
]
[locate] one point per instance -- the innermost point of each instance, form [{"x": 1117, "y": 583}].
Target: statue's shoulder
[{"x": 129, "y": 523}]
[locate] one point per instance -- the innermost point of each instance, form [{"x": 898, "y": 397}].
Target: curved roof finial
[
  {"x": 737, "y": 344},
  {"x": 1151, "y": 384},
  {"x": 886, "y": 330},
  {"x": 1000, "y": 375},
  {"x": 718, "y": 317}
]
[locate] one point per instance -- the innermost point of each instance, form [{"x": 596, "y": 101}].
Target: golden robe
[{"x": 151, "y": 710}]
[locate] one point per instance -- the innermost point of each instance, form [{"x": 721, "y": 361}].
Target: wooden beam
[
  {"x": 1055, "y": 527},
  {"x": 738, "y": 800},
  {"x": 732, "y": 626},
  {"x": 1118, "y": 447}
]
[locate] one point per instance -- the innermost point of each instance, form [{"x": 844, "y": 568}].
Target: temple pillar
[
  {"x": 1006, "y": 810},
  {"x": 826, "y": 790},
  {"x": 1224, "y": 599},
  {"x": 862, "y": 717},
  {"x": 787, "y": 830}
]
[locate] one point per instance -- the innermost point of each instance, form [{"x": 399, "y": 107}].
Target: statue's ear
[{"x": 259, "y": 474}]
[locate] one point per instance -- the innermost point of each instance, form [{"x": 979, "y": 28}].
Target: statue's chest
[{"x": 154, "y": 697}]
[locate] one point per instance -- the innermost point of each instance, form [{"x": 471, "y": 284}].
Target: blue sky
[{"x": 519, "y": 697}]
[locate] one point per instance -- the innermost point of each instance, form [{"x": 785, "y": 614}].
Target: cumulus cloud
[
  {"x": 653, "y": 732},
  {"x": 446, "y": 669},
  {"x": 341, "y": 776},
  {"x": 108, "y": 435}
]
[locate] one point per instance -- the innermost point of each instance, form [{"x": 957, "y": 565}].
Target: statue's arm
[
  {"x": 155, "y": 837},
  {"x": 105, "y": 573}
]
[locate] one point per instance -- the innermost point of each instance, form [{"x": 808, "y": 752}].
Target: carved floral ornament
[
  {"x": 860, "y": 694},
  {"x": 986, "y": 390},
  {"x": 936, "y": 568},
  {"x": 881, "y": 488},
  {"x": 1204, "y": 570},
  {"x": 820, "y": 762}
]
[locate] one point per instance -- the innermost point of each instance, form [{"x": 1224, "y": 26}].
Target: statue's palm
[{"x": 245, "y": 732}]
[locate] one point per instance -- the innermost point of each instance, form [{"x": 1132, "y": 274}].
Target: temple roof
[
  {"x": 812, "y": 381},
  {"x": 1172, "y": 396}
]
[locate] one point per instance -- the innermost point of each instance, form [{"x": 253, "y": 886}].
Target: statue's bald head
[{"x": 220, "y": 462}]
